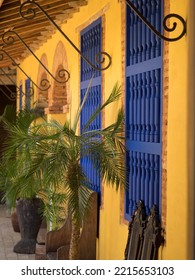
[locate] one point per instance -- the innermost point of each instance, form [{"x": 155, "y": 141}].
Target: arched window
[
  {"x": 42, "y": 93},
  {"x": 59, "y": 93}
]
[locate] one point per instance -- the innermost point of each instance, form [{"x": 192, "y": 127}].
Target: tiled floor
[{"x": 8, "y": 238}]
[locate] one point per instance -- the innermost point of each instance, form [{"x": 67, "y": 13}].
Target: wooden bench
[
  {"x": 144, "y": 234},
  {"x": 57, "y": 238},
  {"x": 57, "y": 242}
]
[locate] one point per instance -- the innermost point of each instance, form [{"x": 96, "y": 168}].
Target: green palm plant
[
  {"x": 16, "y": 163},
  {"x": 14, "y": 160},
  {"x": 9, "y": 114},
  {"x": 57, "y": 149},
  {"x": 21, "y": 191}
]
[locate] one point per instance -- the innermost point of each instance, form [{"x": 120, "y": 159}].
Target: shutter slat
[
  {"x": 91, "y": 43},
  {"x": 143, "y": 106}
]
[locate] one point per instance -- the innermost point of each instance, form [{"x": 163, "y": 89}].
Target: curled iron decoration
[
  {"x": 63, "y": 74},
  {"x": 12, "y": 95},
  {"x": 100, "y": 57},
  {"x": 165, "y": 23},
  {"x": 30, "y": 93},
  {"x": 31, "y": 90},
  {"x": 11, "y": 98}
]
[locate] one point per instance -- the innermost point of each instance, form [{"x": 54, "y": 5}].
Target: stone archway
[
  {"x": 42, "y": 95},
  {"x": 59, "y": 94}
]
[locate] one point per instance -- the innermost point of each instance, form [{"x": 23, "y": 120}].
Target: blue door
[
  {"x": 91, "y": 44},
  {"x": 143, "y": 106}
]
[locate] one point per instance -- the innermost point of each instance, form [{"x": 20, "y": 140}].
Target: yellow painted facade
[
  {"x": 179, "y": 188},
  {"x": 180, "y": 150}
]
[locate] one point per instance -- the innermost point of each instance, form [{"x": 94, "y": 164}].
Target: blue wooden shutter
[
  {"x": 143, "y": 106},
  {"x": 91, "y": 43},
  {"x": 20, "y": 97},
  {"x": 27, "y": 88}
]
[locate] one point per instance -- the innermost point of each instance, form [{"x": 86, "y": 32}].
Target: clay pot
[{"x": 29, "y": 218}]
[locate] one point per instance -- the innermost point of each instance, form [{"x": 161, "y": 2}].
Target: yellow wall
[
  {"x": 180, "y": 152},
  {"x": 110, "y": 231},
  {"x": 180, "y": 161}
]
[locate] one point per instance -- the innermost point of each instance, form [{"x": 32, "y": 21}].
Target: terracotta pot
[{"x": 29, "y": 218}]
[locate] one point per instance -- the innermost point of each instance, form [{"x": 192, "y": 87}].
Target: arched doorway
[
  {"x": 59, "y": 94},
  {"x": 44, "y": 84}
]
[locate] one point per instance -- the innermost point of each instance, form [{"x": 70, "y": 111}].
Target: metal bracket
[
  {"x": 12, "y": 95},
  {"x": 165, "y": 24},
  {"x": 43, "y": 83},
  {"x": 30, "y": 13},
  {"x": 29, "y": 93},
  {"x": 8, "y": 40}
]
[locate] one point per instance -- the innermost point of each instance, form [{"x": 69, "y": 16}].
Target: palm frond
[
  {"x": 9, "y": 114},
  {"x": 78, "y": 113},
  {"x": 114, "y": 96},
  {"x": 53, "y": 207},
  {"x": 47, "y": 159}
]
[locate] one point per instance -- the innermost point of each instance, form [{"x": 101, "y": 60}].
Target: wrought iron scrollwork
[
  {"x": 63, "y": 75},
  {"x": 165, "y": 24},
  {"x": 29, "y": 13},
  {"x": 31, "y": 90},
  {"x": 12, "y": 95}
]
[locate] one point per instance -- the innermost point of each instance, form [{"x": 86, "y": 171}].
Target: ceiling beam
[{"x": 34, "y": 32}]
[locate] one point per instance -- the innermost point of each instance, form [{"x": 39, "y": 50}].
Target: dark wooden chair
[
  {"x": 50, "y": 241},
  {"x": 87, "y": 242},
  {"x": 152, "y": 236},
  {"x": 57, "y": 238},
  {"x": 57, "y": 242},
  {"x": 136, "y": 233},
  {"x": 144, "y": 234}
]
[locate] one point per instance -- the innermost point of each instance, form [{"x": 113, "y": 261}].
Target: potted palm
[
  {"x": 24, "y": 196},
  {"x": 58, "y": 149}
]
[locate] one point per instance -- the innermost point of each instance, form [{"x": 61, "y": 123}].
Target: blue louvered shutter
[
  {"x": 20, "y": 97},
  {"x": 143, "y": 106},
  {"x": 27, "y": 89},
  {"x": 91, "y": 44}
]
